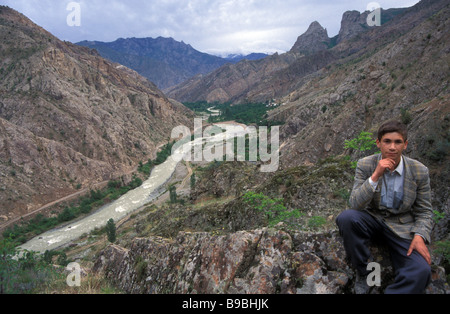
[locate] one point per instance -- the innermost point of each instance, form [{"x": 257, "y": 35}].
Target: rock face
[
  {"x": 315, "y": 39},
  {"x": 263, "y": 261},
  {"x": 69, "y": 118},
  {"x": 352, "y": 24}
]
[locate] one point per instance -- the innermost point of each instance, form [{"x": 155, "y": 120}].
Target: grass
[{"x": 90, "y": 284}]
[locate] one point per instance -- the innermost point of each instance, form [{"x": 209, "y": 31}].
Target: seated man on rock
[{"x": 391, "y": 202}]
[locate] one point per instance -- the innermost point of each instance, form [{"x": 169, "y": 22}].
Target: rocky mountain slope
[
  {"x": 164, "y": 61},
  {"x": 402, "y": 74},
  {"x": 69, "y": 118},
  {"x": 216, "y": 243},
  {"x": 278, "y": 75}
]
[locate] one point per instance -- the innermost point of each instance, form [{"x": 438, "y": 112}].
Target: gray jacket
[{"x": 414, "y": 215}]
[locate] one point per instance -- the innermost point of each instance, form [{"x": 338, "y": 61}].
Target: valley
[{"x": 73, "y": 122}]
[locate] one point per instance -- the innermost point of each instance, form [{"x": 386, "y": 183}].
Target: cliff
[{"x": 315, "y": 39}]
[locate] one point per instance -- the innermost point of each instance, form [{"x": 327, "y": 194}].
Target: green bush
[
  {"x": 364, "y": 142},
  {"x": 273, "y": 209},
  {"x": 21, "y": 273}
]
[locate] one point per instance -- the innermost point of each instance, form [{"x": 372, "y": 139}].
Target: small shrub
[{"x": 273, "y": 209}]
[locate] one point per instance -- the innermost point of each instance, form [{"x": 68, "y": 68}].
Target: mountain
[
  {"x": 164, "y": 61},
  {"x": 315, "y": 39},
  {"x": 397, "y": 71},
  {"x": 69, "y": 118},
  {"x": 234, "y": 58},
  {"x": 279, "y": 74}
]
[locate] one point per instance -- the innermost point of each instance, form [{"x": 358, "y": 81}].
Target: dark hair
[{"x": 391, "y": 127}]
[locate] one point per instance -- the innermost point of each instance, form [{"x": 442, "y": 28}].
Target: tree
[
  {"x": 364, "y": 142},
  {"x": 173, "y": 193},
  {"x": 193, "y": 180},
  {"x": 111, "y": 230}
]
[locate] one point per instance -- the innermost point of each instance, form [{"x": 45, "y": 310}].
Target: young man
[{"x": 390, "y": 201}]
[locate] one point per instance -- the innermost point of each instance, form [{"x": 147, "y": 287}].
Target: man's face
[{"x": 392, "y": 146}]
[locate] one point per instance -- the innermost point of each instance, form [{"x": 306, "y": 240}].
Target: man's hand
[
  {"x": 381, "y": 168},
  {"x": 418, "y": 244}
]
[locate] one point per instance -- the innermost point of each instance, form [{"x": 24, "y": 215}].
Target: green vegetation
[
  {"x": 193, "y": 180},
  {"x": 23, "y": 273},
  {"x": 251, "y": 113},
  {"x": 443, "y": 249},
  {"x": 364, "y": 142},
  {"x": 20, "y": 233},
  {"x": 316, "y": 222},
  {"x": 406, "y": 116},
  {"x": 173, "y": 194},
  {"x": 111, "y": 230},
  {"x": 273, "y": 209},
  {"x": 161, "y": 157},
  {"x": 437, "y": 216},
  {"x": 275, "y": 212},
  {"x": 31, "y": 273}
]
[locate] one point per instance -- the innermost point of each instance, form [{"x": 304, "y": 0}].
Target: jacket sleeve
[
  {"x": 422, "y": 209},
  {"x": 363, "y": 192}
]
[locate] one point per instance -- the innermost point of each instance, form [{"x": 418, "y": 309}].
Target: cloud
[{"x": 208, "y": 25}]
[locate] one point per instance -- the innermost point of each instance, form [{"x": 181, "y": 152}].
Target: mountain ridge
[
  {"x": 164, "y": 61},
  {"x": 256, "y": 84}
]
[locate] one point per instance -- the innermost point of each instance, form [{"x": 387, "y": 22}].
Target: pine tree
[{"x": 111, "y": 230}]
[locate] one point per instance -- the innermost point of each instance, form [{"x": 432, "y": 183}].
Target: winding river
[{"x": 130, "y": 202}]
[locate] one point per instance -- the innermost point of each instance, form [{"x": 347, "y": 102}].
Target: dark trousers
[{"x": 358, "y": 228}]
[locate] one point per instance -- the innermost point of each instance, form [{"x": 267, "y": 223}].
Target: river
[{"x": 130, "y": 202}]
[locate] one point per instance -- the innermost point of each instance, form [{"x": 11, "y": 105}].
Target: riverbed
[{"x": 130, "y": 202}]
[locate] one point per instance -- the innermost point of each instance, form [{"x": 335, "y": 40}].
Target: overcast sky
[{"x": 212, "y": 26}]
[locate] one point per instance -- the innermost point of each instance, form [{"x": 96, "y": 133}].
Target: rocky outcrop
[
  {"x": 264, "y": 261},
  {"x": 352, "y": 24},
  {"x": 315, "y": 39}
]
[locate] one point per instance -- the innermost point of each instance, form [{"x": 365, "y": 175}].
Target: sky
[{"x": 213, "y": 26}]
